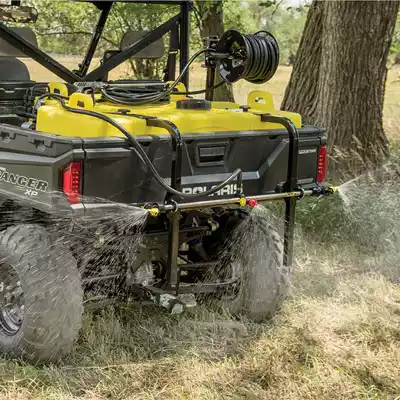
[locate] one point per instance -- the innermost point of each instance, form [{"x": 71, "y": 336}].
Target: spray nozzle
[
  {"x": 324, "y": 190},
  {"x": 153, "y": 211},
  {"x": 334, "y": 189},
  {"x": 252, "y": 203},
  {"x": 242, "y": 201}
]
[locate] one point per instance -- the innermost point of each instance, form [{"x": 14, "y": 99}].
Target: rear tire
[
  {"x": 255, "y": 253},
  {"x": 48, "y": 288}
]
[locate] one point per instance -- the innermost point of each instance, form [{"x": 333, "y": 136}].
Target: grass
[{"x": 337, "y": 336}]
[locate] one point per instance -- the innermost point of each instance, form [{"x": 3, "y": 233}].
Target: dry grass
[{"x": 337, "y": 337}]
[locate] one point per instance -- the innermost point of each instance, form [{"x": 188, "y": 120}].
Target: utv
[{"x": 81, "y": 158}]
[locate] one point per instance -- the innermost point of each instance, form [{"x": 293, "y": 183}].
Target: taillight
[
  {"x": 72, "y": 182},
  {"x": 322, "y": 162}
]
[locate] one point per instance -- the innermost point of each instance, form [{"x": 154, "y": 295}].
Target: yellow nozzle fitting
[
  {"x": 153, "y": 211},
  {"x": 242, "y": 202}
]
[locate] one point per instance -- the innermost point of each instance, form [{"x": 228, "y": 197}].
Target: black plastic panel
[
  {"x": 31, "y": 164},
  {"x": 111, "y": 170}
]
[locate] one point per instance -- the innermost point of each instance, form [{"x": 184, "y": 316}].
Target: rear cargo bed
[{"x": 112, "y": 171}]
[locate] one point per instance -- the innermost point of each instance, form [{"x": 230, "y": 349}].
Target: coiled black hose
[
  {"x": 237, "y": 174},
  {"x": 252, "y": 57},
  {"x": 121, "y": 94}
]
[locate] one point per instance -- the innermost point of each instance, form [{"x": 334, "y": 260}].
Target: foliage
[
  {"x": 66, "y": 27},
  {"x": 286, "y": 23},
  {"x": 395, "y": 48}
]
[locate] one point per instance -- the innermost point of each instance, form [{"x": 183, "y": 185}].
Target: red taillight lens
[
  {"x": 72, "y": 182},
  {"x": 322, "y": 162}
]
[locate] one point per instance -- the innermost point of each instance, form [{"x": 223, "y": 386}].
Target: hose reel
[
  {"x": 254, "y": 58},
  {"x": 235, "y": 56}
]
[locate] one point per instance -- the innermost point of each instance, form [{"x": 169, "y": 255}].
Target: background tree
[
  {"x": 210, "y": 22},
  {"x": 339, "y": 75},
  {"x": 66, "y": 28},
  {"x": 395, "y": 49},
  {"x": 283, "y": 21},
  {"x": 213, "y": 17}
]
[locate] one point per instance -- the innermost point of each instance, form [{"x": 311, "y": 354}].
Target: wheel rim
[{"x": 11, "y": 301}]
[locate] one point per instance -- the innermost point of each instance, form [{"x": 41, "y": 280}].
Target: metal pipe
[
  {"x": 210, "y": 63},
  {"x": 87, "y": 281},
  {"x": 84, "y": 66},
  {"x": 184, "y": 41},
  {"x": 319, "y": 191},
  {"x": 291, "y": 181},
  {"x": 210, "y": 81},
  {"x": 290, "y": 184},
  {"x": 170, "y": 71},
  {"x": 173, "y": 249},
  {"x": 38, "y": 55},
  {"x": 234, "y": 200},
  {"x": 198, "y": 266}
]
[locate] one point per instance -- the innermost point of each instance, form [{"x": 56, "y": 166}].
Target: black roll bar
[
  {"x": 133, "y": 49},
  {"x": 38, "y": 55},
  {"x": 181, "y": 21},
  {"x": 184, "y": 41},
  {"x": 98, "y": 31}
]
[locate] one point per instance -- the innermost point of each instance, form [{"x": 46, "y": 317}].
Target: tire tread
[{"x": 52, "y": 292}]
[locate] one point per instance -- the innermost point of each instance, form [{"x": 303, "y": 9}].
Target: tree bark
[
  {"x": 301, "y": 92},
  {"x": 211, "y": 23},
  {"x": 341, "y": 86}
]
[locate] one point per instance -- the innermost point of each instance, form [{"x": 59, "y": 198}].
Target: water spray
[{"x": 132, "y": 142}]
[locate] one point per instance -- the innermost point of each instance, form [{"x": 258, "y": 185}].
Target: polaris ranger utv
[{"x": 193, "y": 167}]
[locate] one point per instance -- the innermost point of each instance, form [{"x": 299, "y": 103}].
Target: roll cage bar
[{"x": 177, "y": 26}]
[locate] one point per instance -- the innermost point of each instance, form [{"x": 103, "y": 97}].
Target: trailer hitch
[{"x": 170, "y": 302}]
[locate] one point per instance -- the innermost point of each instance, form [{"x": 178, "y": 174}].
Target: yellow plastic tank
[{"x": 222, "y": 117}]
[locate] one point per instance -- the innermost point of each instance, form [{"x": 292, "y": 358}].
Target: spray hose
[
  {"x": 120, "y": 93},
  {"x": 141, "y": 152}
]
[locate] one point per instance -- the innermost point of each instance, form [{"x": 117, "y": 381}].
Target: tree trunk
[
  {"x": 301, "y": 92},
  {"x": 211, "y": 23},
  {"x": 341, "y": 87}
]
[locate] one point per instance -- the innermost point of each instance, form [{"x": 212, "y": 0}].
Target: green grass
[{"x": 337, "y": 336}]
